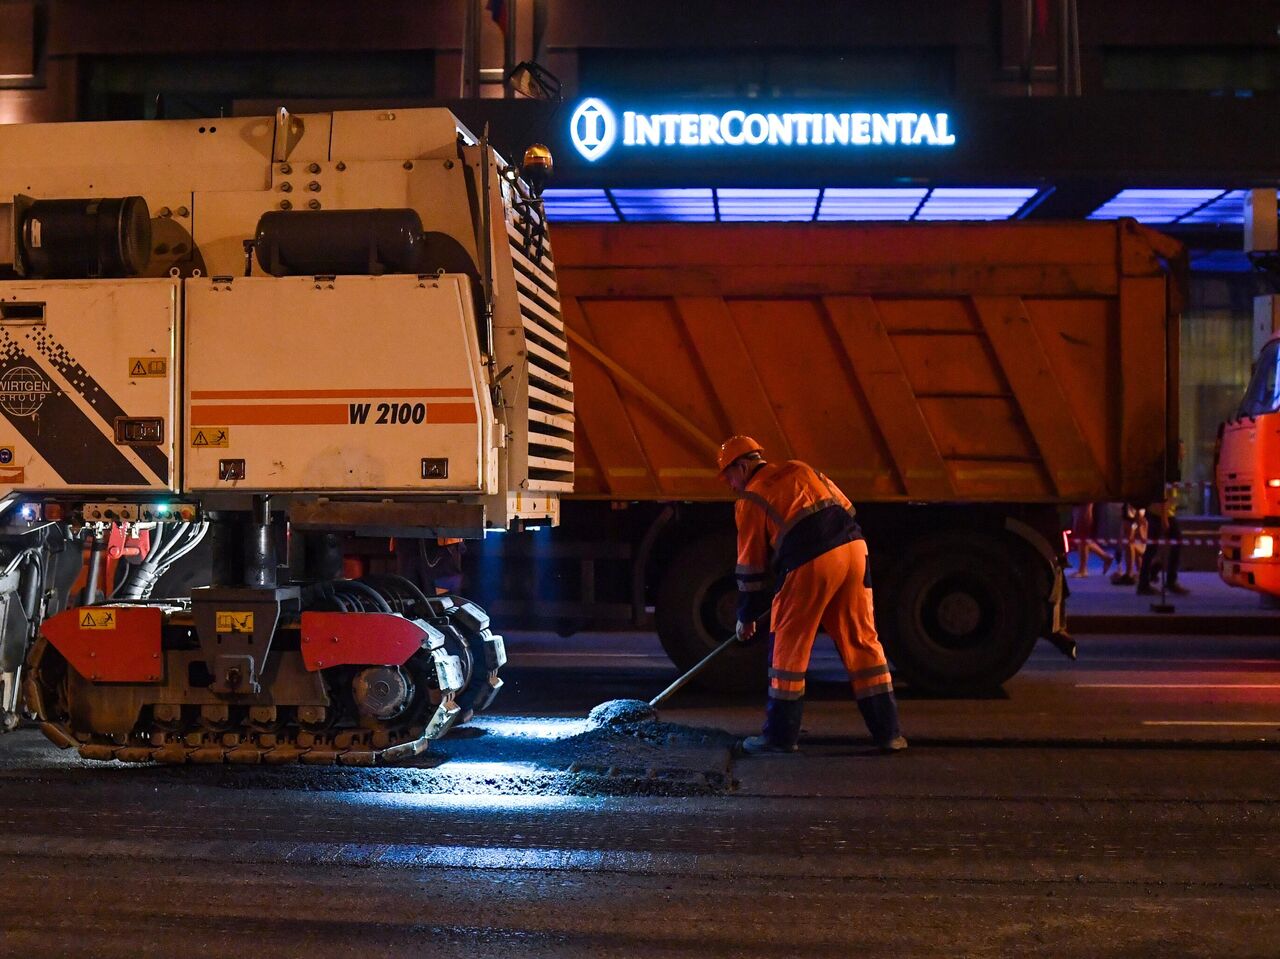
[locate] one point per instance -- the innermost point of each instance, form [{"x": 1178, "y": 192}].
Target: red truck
[{"x": 1248, "y": 476}]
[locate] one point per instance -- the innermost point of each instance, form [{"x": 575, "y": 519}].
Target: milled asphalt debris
[{"x": 509, "y": 756}]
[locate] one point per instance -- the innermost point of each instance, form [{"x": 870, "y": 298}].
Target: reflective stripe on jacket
[{"x": 788, "y": 515}]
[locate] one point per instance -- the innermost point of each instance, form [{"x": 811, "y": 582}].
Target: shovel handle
[{"x": 683, "y": 680}]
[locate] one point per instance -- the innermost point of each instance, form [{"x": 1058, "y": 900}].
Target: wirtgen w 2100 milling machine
[{"x": 277, "y": 333}]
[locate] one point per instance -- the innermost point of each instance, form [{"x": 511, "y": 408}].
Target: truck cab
[{"x": 1248, "y": 477}]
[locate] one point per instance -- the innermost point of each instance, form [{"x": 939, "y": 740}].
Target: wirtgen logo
[
  {"x": 23, "y": 391},
  {"x": 593, "y": 128}
]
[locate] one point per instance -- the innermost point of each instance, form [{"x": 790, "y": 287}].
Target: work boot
[
  {"x": 763, "y": 745},
  {"x": 782, "y": 722},
  {"x": 880, "y": 713}
]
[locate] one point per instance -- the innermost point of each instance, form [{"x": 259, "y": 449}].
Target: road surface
[{"x": 1121, "y": 806}]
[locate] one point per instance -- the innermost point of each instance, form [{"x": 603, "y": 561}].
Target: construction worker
[{"x": 796, "y": 525}]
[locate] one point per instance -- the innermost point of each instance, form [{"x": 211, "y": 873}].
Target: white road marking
[
  {"x": 1177, "y": 685},
  {"x": 525, "y": 657},
  {"x": 1111, "y": 663},
  {"x": 1208, "y": 722}
]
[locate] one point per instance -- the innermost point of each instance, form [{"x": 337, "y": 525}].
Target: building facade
[{"x": 1054, "y": 109}]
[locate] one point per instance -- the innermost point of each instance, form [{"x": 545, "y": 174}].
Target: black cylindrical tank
[
  {"x": 73, "y": 239},
  {"x": 331, "y": 242}
]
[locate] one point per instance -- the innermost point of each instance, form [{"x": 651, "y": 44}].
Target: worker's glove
[{"x": 745, "y": 632}]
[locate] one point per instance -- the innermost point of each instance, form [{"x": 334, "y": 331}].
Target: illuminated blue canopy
[
  {"x": 742, "y": 204},
  {"x": 1212, "y": 206}
]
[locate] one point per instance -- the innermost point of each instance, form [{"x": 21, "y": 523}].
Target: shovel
[{"x": 618, "y": 712}]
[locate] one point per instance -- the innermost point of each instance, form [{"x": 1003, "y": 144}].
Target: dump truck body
[{"x": 957, "y": 363}]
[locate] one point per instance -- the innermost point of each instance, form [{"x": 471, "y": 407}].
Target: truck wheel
[
  {"x": 956, "y": 620},
  {"x": 696, "y": 611}
]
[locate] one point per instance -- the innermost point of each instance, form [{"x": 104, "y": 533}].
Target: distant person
[
  {"x": 1084, "y": 527},
  {"x": 1165, "y": 530},
  {"x": 795, "y": 524},
  {"x": 1133, "y": 537}
]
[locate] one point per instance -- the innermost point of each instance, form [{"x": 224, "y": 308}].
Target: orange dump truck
[{"x": 961, "y": 383}]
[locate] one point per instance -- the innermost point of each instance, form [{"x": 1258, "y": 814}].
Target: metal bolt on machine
[{"x": 191, "y": 359}]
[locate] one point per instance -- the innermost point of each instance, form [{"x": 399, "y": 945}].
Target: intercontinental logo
[{"x": 594, "y": 129}]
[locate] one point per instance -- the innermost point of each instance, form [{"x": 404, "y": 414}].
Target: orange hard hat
[{"x": 734, "y": 447}]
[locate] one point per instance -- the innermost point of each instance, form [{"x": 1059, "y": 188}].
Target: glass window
[
  {"x": 1235, "y": 70},
  {"x": 1262, "y": 396},
  {"x": 767, "y": 73},
  {"x": 1216, "y": 349},
  {"x": 188, "y": 87}
]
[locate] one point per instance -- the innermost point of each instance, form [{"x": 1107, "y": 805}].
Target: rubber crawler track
[
  {"x": 288, "y": 742},
  {"x": 347, "y": 748}
]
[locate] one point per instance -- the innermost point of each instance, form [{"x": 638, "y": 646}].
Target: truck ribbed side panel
[{"x": 963, "y": 362}]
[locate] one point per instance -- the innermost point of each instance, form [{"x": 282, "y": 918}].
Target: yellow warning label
[
  {"x": 216, "y": 437},
  {"x": 141, "y": 367},
  {"x": 98, "y": 619},
  {"x": 234, "y": 622}
]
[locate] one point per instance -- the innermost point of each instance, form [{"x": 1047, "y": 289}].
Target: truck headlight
[{"x": 1263, "y": 547}]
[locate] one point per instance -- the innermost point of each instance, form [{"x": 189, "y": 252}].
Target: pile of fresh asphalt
[
  {"x": 623, "y": 752},
  {"x": 622, "y": 713}
]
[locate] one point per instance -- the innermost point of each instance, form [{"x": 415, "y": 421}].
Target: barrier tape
[
  {"x": 1187, "y": 484},
  {"x": 1183, "y": 541},
  {"x": 1191, "y": 484}
]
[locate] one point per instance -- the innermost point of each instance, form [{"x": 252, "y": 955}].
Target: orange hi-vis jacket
[{"x": 788, "y": 515}]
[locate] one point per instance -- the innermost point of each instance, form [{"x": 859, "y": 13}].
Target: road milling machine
[{"x": 264, "y": 337}]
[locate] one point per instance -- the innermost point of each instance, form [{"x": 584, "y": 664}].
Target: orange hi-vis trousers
[{"x": 832, "y": 591}]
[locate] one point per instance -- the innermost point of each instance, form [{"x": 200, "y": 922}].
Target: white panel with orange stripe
[{"x": 401, "y": 396}]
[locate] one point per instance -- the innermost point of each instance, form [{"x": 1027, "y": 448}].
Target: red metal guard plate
[
  {"x": 358, "y": 639},
  {"x": 110, "y": 644}
]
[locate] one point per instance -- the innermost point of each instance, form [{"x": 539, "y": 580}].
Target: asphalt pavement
[{"x": 1122, "y": 805}]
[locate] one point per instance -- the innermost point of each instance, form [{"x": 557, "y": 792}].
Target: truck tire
[
  {"x": 956, "y": 619},
  {"x": 696, "y": 608}
]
